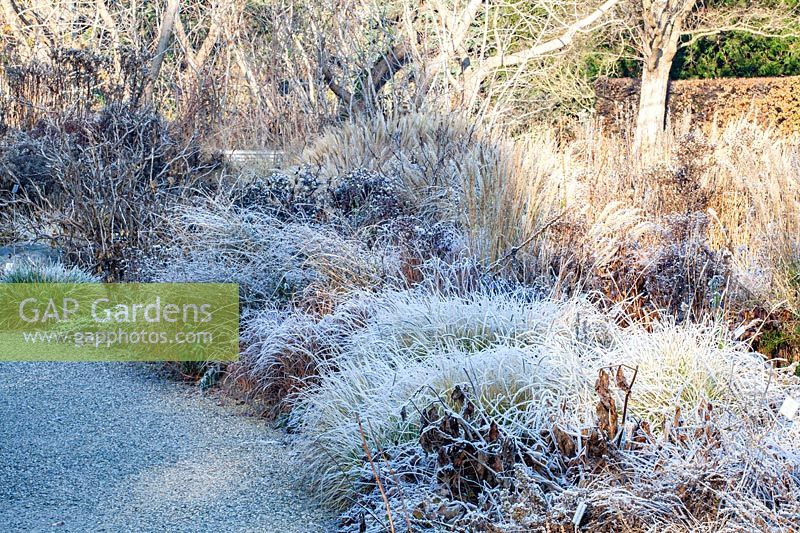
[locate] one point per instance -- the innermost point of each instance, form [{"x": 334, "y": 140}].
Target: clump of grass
[
  {"x": 499, "y": 193},
  {"x": 37, "y": 275},
  {"x": 416, "y": 324},
  {"x": 415, "y": 344},
  {"x": 53, "y": 272},
  {"x": 285, "y": 350},
  {"x": 585, "y": 216},
  {"x": 424, "y": 148},
  {"x": 270, "y": 259},
  {"x": 697, "y": 392}
]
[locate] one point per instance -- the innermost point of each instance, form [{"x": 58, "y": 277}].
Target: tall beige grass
[
  {"x": 744, "y": 180},
  {"x": 570, "y": 210},
  {"x": 499, "y": 190}
]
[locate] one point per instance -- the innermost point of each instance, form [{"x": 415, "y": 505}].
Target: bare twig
[{"x": 376, "y": 474}]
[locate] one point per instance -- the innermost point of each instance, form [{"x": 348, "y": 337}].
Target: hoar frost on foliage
[
  {"x": 270, "y": 259},
  {"x": 531, "y": 365}
]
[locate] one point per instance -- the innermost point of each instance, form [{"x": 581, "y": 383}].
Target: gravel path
[{"x": 116, "y": 447}]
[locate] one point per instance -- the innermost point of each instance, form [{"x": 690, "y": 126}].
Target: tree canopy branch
[{"x": 773, "y": 22}]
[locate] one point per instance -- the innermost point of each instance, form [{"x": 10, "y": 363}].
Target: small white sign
[
  {"x": 7, "y": 267},
  {"x": 790, "y": 407},
  {"x": 578, "y": 516}
]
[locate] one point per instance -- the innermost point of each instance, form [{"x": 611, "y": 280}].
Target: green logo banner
[{"x": 119, "y": 322}]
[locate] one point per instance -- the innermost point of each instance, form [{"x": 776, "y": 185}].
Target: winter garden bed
[{"x": 465, "y": 333}]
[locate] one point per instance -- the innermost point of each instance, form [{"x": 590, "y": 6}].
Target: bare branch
[
  {"x": 183, "y": 40},
  {"x": 111, "y": 28},
  {"x": 165, "y": 35},
  {"x": 475, "y": 77},
  {"x": 773, "y": 22},
  {"x": 214, "y": 32},
  {"x": 388, "y": 65},
  {"x": 462, "y": 27},
  {"x": 341, "y": 93},
  {"x": 14, "y": 21},
  {"x": 565, "y": 39}
]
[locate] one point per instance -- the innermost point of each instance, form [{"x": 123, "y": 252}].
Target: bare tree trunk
[
  {"x": 652, "y": 114},
  {"x": 662, "y": 30},
  {"x": 165, "y": 35}
]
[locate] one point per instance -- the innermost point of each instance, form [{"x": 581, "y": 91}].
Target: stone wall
[{"x": 769, "y": 101}]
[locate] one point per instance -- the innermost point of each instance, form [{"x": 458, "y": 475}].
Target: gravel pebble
[{"x": 117, "y": 447}]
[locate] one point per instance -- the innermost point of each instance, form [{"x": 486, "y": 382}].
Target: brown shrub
[
  {"x": 98, "y": 186},
  {"x": 711, "y": 102}
]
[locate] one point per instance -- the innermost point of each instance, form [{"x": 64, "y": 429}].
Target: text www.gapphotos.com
[{"x": 106, "y": 339}]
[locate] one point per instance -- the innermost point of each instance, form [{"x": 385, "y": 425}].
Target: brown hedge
[{"x": 769, "y": 101}]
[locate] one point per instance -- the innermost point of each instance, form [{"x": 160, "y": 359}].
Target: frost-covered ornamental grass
[
  {"x": 29, "y": 272},
  {"x": 416, "y": 324},
  {"x": 272, "y": 260},
  {"x": 532, "y": 366}
]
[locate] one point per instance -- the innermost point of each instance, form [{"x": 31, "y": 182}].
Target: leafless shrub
[
  {"x": 358, "y": 198},
  {"x": 70, "y": 81},
  {"x": 98, "y": 186}
]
